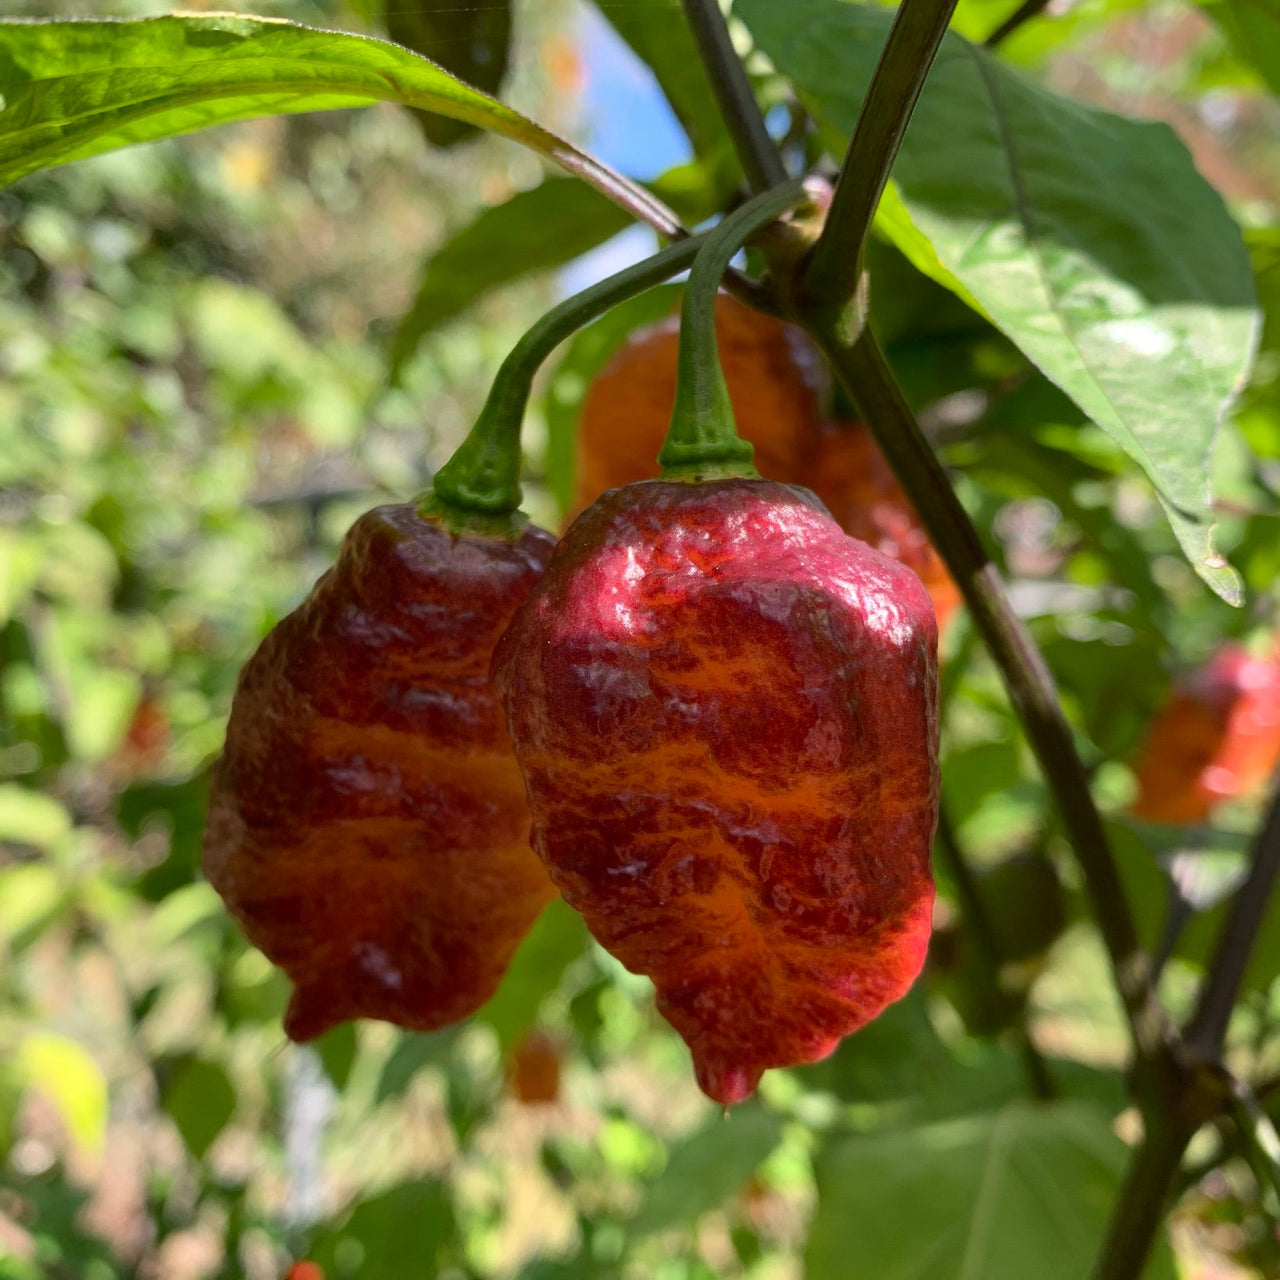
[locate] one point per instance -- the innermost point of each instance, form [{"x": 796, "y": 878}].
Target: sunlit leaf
[
  {"x": 1088, "y": 238},
  {"x": 1025, "y": 1191},
  {"x": 77, "y": 88},
  {"x": 28, "y": 817},
  {"x": 69, "y": 1076}
]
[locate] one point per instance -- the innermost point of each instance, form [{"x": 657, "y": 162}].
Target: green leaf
[
  {"x": 1252, "y": 29},
  {"x": 556, "y": 940},
  {"x": 399, "y": 1235},
  {"x": 469, "y": 40},
  {"x": 78, "y": 88},
  {"x": 586, "y": 355},
  {"x": 411, "y": 1054},
  {"x": 27, "y": 817},
  {"x": 68, "y": 1075},
  {"x": 337, "y": 1051},
  {"x": 200, "y": 1099},
  {"x": 1089, "y": 239},
  {"x": 535, "y": 230},
  {"x": 31, "y": 894},
  {"x": 708, "y": 1167},
  {"x": 1024, "y": 1191}
]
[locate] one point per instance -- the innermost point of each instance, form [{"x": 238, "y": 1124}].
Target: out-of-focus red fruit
[
  {"x": 775, "y": 381},
  {"x": 534, "y": 1070},
  {"x": 304, "y": 1271},
  {"x": 856, "y": 484},
  {"x": 1216, "y": 738},
  {"x": 146, "y": 739}
]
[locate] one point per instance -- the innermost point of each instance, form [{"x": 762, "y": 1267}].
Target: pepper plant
[{"x": 1025, "y": 299}]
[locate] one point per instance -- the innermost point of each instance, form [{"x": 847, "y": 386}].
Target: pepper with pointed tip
[
  {"x": 367, "y": 823},
  {"x": 725, "y": 710}
]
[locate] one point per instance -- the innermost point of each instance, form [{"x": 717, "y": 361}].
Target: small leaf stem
[
  {"x": 640, "y": 203},
  {"x": 760, "y": 158},
  {"x": 479, "y": 487},
  {"x": 983, "y": 931},
  {"x": 1023, "y": 13},
  {"x": 703, "y": 442},
  {"x": 1261, "y": 1144},
  {"x": 834, "y": 274},
  {"x": 1207, "y": 1029}
]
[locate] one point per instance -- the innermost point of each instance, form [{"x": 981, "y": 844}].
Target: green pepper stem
[
  {"x": 480, "y": 485},
  {"x": 703, "y": 442}
]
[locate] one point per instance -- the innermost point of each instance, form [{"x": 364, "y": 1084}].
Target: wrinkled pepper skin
[
  {"x": 858, "y": 487},
  {"x": 775, "y": 379},
  {"x": 725, "y": 710},
  {"x": 1218, "y": 737},
  {"x": 367, "y": 823}
]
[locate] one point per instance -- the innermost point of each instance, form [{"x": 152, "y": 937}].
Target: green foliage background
[{"x": 195, "y": 402}]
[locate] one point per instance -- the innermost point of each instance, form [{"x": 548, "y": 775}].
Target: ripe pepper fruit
[
  {"x": 725, "y": 712},
  {"x": 367, "y": 823},
  {"x": 776, "y": 384},
  {"x": 855, "y": 482},
  {"x": 1216, "y": 738},
  {"x": 775, "y": 379}
]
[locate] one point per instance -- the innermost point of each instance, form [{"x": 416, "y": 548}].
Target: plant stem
[
  {"x": 481, "y": 482},
  {"x": 1023, "y": 13},
  {"x": 1207, "y": 1030},
  {"x": 1261, "y": 1144},
  {"x": 642, "y": 205},
  {"x": 835, "y": 269},
  {"x": 703, "y": 441},
  {"x": 984, "y": 934},
  {"x": 1140, "y": 1207},
  {"x": 866, "y": 376},
  {"x": 760, "y": 158}
]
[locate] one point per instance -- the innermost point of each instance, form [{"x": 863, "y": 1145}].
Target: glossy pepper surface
[
  {"x": 1217, "y": 737},
  {"x": 775, "y": 380},
  {"x": 854, "y": 480},
  {"x": 367, "y": 823},
  {"x": 725, "y": 711}
]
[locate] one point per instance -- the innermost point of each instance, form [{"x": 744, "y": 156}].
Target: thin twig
[
  {"x": 835, "y": 270},
  {"x": 642, "y": 205},
  {"x": 1207, "y": 1029},
  {"x": 1023, "y": 13},
  {"x": 1261, "y": 1144},
  {"x": 761, "y": 160},
  {"x": 983, "y": 932}
]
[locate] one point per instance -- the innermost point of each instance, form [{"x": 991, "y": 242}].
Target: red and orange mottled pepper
[
  {"x": 725, "y": 711},
  {"x": 1218, "y": 737},
  {"x": 367, "y": 824}
]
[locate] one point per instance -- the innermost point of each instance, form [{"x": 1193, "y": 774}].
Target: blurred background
[{"x": 197, "y": 341}]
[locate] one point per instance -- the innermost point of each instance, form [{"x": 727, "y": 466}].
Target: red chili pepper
[
  {"x": 1217, "y": 737},
  {"x": 725, "y": 712},
  {"x": 367, "y": 824}
]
